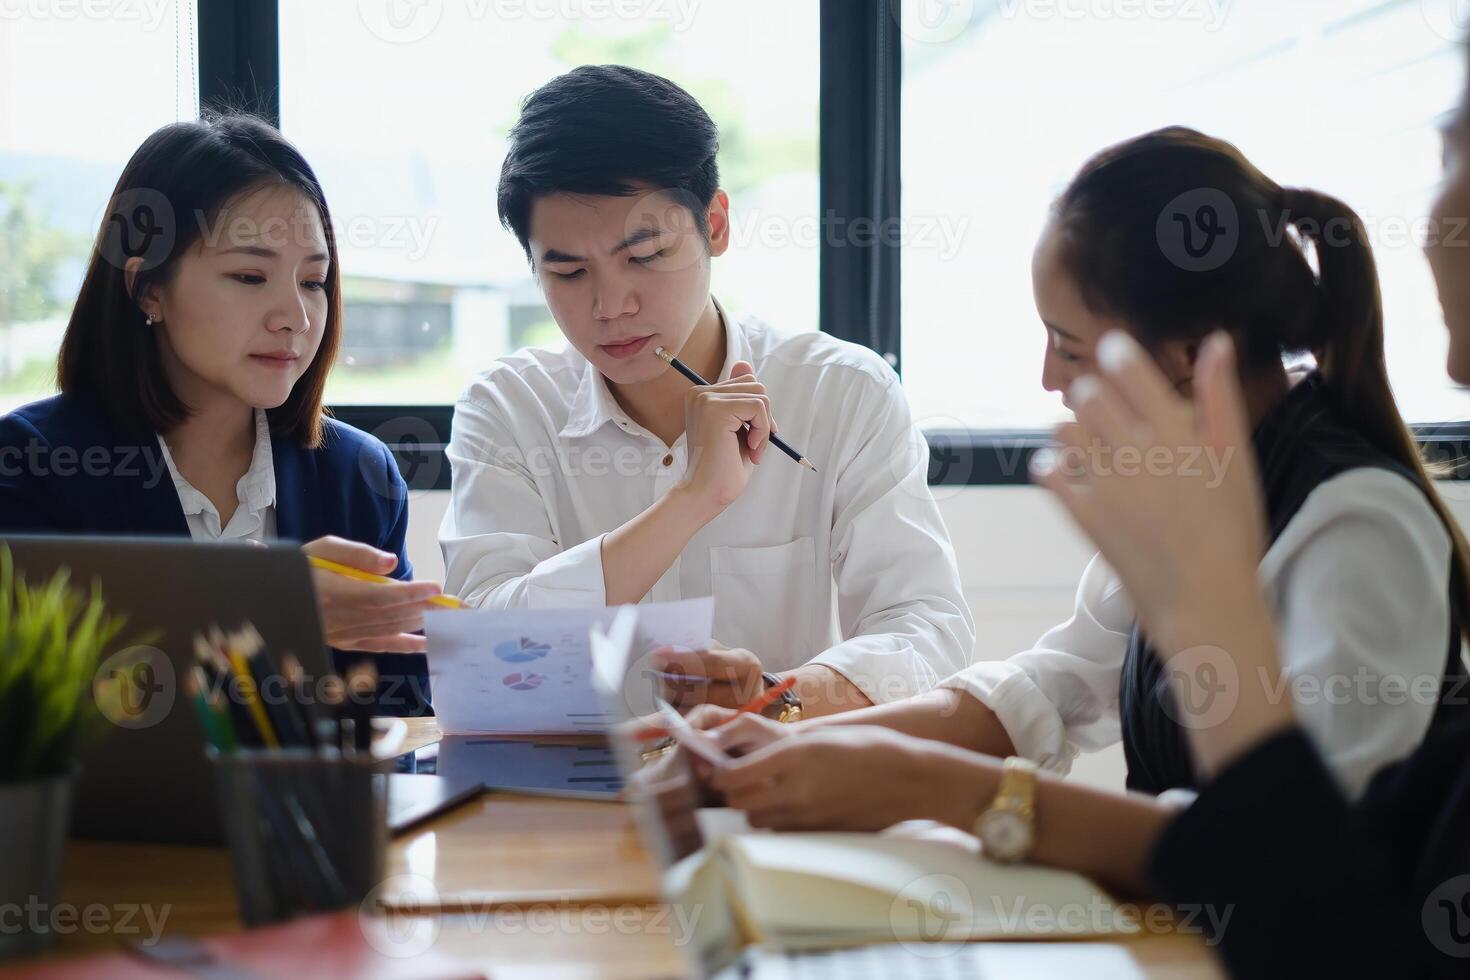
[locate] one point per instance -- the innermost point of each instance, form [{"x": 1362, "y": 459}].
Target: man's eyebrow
[
  {"x": 637, "y": 238},
  {"x": 1060, "y": 332}
]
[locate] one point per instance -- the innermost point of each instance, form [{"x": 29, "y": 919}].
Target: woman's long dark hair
[
  {"x": 168, "y": 196},
  {"x": 1177, "y": 233}
]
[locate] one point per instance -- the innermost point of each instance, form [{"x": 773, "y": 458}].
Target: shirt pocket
[{"x": 765, "y": 601}]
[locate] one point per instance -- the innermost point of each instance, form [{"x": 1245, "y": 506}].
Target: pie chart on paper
[
  {"x": 521, "y": 651},
  {"x": 523, "y": 681}
]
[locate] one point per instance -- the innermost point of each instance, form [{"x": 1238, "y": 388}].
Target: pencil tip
[{"x": 808, "y": 464}]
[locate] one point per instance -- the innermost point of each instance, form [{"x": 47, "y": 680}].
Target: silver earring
[{"x": 149, "y": 321}]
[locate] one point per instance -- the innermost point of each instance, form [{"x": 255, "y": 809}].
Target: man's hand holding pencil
[{"x": 720, "y": 675}]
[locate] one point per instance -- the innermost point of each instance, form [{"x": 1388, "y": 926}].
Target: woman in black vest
[
  {"x": 1319, "y": 885},
  {"x": 1168, "y": 238},
  {"x": 1301, "y": 877},
  {"x": 1297, "y": 878}
]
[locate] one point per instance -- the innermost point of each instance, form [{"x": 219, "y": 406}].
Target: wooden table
[{"x": 499, "y": 847}]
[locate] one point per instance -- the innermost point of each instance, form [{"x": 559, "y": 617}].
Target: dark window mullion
[
  {"x": 240, "y": 56},
  {"x": 861, "y": 77}
]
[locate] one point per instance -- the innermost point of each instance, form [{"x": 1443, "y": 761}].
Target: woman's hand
[
  {"x": 1169, "y": 493},
  {"x": 370, "y": 616},
  {"x": 1167, "y": 490},
  {"x": 849, "y": 777},
  {"x": 740, "y": 733}
]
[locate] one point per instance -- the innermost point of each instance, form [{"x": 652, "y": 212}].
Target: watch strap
[{"x": 788, "y": 707}]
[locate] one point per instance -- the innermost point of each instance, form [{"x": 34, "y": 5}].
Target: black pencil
[{"x": 693, "y": 376}]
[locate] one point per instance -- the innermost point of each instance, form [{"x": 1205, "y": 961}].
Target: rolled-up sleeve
[
  {"x": 899, "y": 599},
  {"x": 501, "y": 549},
  {"x": 1361, "y": 662},
  {"x": 1364, "y": 621},
  {"x": 1061, "y": 696}
]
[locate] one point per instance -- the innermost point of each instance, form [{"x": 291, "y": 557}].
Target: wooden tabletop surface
[{"x": 579, "y": 885}]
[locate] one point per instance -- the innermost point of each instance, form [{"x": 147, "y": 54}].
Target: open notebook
[
  {"x": 800, "y": 891},
  {"x": 914, "y": 884}
]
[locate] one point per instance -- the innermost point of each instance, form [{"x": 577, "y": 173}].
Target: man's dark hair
[{"x": 601, "y": 130}]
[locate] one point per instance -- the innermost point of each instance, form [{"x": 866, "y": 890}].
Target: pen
[
  {"x": 226, "y": 687},
  {"x": 776, "y": 440},
  {"x": 245, "y": 682},
  {"x": 769, "y": 696},
  {"x": 270, "y": 689},
  {"x": 227, "y": 742},
  {"x": 362, "y": 681},
  {"x": 300, "y": 699},
  {"x": 756, "y": 705},
  {"x": 448, "y": 601},
  {"x": 194, "y": 687},
  {"x": 665, "y": 675}
]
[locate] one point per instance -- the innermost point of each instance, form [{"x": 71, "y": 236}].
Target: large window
[
  {"x": 81, "y": 85},
  {"x": 1003, "y": 101},
  {"x": 403, "y": 108}
]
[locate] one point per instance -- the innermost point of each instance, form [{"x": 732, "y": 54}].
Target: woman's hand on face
[
  {"x": 849, "y": 777},
  {"x": 1166, "y": 489},
  {"x": 370, "y": 616},
  {"x": 1180, "y": 519}
]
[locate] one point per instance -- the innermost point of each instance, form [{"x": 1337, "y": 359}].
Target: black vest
[{"x": 1299, "y": 445}]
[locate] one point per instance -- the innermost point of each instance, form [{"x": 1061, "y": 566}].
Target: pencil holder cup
[{"x": 307, "y": 832}]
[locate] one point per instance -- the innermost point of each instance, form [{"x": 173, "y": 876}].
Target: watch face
[{"x": 1005, "y": 834}]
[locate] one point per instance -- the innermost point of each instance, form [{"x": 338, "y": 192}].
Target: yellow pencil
[
  {"x": 447, "y": 601},
  {"x": 249, "y": 694}
]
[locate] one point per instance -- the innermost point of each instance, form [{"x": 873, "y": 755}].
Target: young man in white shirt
[{"x": 599, "y": 475}]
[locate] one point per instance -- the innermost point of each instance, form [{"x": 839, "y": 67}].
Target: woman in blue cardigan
[{"x": 192, "y": 375}]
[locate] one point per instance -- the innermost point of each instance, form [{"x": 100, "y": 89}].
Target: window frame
[{"x": 860, "y": 88}]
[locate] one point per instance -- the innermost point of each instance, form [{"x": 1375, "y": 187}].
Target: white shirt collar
[
  {"x": 256, "y": 490},
  {"x": 594, "y": 406}
]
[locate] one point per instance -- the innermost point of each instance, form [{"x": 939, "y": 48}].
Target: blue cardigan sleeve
[
  {"x": 379, "y": 507},
  {"x": 396, "y": 539},
  {"x": 28, "y": 499}
]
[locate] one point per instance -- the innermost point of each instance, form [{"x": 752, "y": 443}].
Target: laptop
[
  {"x": 147, "y": 778},
  {"x": 675, "y": 829}
]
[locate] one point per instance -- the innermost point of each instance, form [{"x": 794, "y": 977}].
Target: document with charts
[{"x": 529, "y": 671}]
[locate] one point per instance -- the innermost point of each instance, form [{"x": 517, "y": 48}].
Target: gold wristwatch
[{"x": 1008, "y": 828}]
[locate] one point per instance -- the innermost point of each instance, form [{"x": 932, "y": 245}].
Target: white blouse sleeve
[
  {"x": 1061, "y": 696},
  {"x": 1360, "y": 578},
  {"x": 1363, "y": 619}
]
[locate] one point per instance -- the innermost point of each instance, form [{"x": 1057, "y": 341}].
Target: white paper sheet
[{"x": 529, "y": 671}]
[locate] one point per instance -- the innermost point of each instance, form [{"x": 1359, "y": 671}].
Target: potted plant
[{"x": 52, "y": 638}]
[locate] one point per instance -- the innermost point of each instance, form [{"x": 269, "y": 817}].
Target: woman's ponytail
[
  {"x": 1346, "y": 335},
  {"x": 1347, "y": 341},
  {"x": 1296, "y": 276}
]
